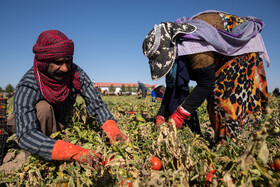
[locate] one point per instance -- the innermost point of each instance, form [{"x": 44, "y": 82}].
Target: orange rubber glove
[
  {"x": 178, "y": 117},
  {"x": 112, "y": 131},
  {"x": 66, "y": 151},
  {"x": 159, "y": 121}
]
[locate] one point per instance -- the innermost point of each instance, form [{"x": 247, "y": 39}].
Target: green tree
[
  {"x": 123, "y": 88},
  {"x": 134, "y": 89},
  {"x": 129, "y": 89},
  {"x": 1, "y": 89},
  {"x": 9, "y": 88},
  {"x": 112, "y": 88}
]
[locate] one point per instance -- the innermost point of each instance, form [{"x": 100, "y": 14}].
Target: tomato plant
[{"x": 187, "y": 157}]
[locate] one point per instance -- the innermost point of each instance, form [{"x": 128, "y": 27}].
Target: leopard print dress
[{"x": 240, "y": 94}]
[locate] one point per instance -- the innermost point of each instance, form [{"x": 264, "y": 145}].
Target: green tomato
[
  {"x": 276, "y": 130},
  {"x": 119, "y": 156}
]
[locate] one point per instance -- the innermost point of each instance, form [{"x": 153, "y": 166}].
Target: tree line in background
[
  {"x": 134, "y": 88},
  {"x": 123, "y": 88},
  {"x": 8, "y": 89},
  {"x": 130, "y": 88}
]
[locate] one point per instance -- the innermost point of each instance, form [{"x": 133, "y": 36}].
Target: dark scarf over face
[{"x": 53, "y": 44}]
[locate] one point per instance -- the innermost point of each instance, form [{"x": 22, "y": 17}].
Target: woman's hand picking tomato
[{"x": 156, "y": 163}]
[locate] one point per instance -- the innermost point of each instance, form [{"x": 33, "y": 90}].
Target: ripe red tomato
[
  {"x": 105, "y": 161},
  {"x": 277, "y": 164},
  {"x": 212, "y": 170},
  {"x": 208, "y": 178},
  {"x": 156, "y": 163}
]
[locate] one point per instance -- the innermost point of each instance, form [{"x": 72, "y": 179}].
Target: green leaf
[
  {"x": 140, "y": 118},
  {"x": 74, "y": 141},
  {"x": 55, "y": 134}
]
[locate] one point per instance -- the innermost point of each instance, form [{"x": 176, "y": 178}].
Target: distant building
[{"x": 106, "y": 85}]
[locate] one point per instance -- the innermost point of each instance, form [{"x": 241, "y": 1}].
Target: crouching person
[{"x": 47, "y": 92}]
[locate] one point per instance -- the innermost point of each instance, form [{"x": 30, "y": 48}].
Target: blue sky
[{"x": 108, "y": 35}]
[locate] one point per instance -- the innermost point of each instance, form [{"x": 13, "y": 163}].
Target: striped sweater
[{"x": 28, "y": 94}]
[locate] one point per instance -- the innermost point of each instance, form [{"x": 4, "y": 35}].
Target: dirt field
[{"x": 13, "y": 160}]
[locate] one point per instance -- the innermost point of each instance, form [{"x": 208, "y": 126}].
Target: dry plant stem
[
  {"x": 255, "y": 140},
  {"x": 261, "y": 170}
]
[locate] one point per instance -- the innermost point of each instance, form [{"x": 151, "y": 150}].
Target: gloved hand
[
  {"x": 66, "y": 151},
  {"x": 112, "y": 131},
  {"x": 178, "y": 117},
  {"x": 159, "y": 121}
]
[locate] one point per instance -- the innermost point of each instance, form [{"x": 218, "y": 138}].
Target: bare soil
[
  {"x": 14, "y": 158},
  {"x": 12, "y": 162}
]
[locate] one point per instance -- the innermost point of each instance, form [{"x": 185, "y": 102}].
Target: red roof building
[{"x": 105, "y": 85}]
